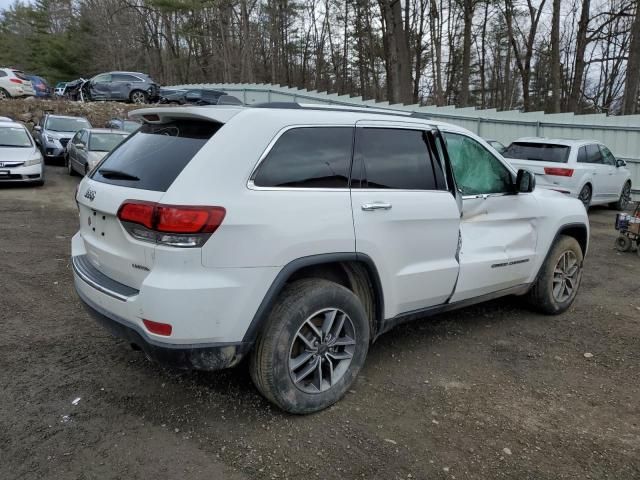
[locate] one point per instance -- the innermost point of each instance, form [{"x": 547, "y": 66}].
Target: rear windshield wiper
[{"x": 117, "y": 175}]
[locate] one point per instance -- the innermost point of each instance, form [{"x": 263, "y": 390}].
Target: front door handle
[{"x": 369, "y": 207}]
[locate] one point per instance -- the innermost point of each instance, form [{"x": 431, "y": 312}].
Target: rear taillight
[
  {"x": 15, "y": 80},
  {"x": 559, "y": 172},
  {"x": 173, "y": 225}
]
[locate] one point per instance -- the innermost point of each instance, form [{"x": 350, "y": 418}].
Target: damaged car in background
[{"x": 132, "y": 87}]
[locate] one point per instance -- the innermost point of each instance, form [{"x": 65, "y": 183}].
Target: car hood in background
[{"x": 9, "y": 154}]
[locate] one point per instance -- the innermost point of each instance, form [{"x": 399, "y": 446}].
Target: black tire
[
  {"x": 585, "y": 196},
  {"x": 4, "y": 95},
  {"x": 625, "y": 198},
  {"x": 270, "y": 367},
  {"x": 139, "y": 97},
  {"x": 623, "y": 243},
  {"x": 542, "y": 295}
]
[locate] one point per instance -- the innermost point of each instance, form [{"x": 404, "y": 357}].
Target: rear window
[
  {"x": 153, "y": 157},
  {"x": 539, "y": 152}
]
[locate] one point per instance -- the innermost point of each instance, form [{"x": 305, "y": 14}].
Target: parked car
[
  {"x": 40, "y": 86},
  {"x": 585, "y": 169},
  {"x": 89, "y": 146},
  {"x": 499, "y": 147},
  {"x": 14, "y": 84},
  {"x": 198, "y": 96},
  {"x": 20, "y": 160},
  {"x": 300, "y": 247},
  {"x": 6, "y": 119},
  {"x": 59, "y": 89},
  {"x": 122, "y": 124},
  {"x": 131, "y": 87},
  {"x": 53, "y": 132}
]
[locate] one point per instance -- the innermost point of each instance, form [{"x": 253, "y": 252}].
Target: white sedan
[
  {"x": 20, "y": 159},
  {"x": 585, "y": 169}
]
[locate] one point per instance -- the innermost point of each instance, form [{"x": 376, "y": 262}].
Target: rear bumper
[{"x": 215, "y": 356}]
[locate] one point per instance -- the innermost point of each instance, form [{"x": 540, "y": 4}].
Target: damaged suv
[{"x": 300, "y": 247}]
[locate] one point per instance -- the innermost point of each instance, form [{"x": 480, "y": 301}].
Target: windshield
[
  {"x": 539, "y": 152},
  {"x": 60, "y": 124},
  {"x": 130, "y": 126},
  {"x": 14, "y": 137},
  {"x": 104, "y": 142}
]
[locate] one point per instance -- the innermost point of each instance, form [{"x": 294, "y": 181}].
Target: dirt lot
[{"x": 492, "y": 391}]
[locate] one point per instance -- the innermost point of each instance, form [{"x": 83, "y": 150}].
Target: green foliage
[{"x": 29, "y": 42}]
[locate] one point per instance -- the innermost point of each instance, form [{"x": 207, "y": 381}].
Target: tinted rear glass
[
  {"x": 308, "y": 157},
  {"x": 154, "y": 156},
  {"x": 539, "y": 152},
  {"x": 394, "y": 158}
]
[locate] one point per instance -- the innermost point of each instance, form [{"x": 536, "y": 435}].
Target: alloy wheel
[
  {"x": 137, "y": 97},
  {"x": 322, "y": 350},
  {"x": 565, "y": 277},
  {"x": 585, "y": 196},
  {"x": 625, "y": 196}
]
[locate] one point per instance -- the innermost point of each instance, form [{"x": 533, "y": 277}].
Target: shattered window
[{"x": 475, "y": 169}]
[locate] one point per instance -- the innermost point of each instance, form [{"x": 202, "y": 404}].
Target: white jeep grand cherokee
[{"x": 296, "y": 236}]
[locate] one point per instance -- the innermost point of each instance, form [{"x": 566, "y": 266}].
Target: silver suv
[
  {"x": 53, "y": 132},
  {"x": 131, "y": 87}
]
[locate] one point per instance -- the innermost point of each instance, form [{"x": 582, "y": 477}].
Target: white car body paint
[
  {"x": 606, "y": 181},
  {"x": 212, "y": 293}
]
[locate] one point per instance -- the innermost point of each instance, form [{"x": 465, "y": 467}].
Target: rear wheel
[
  {"x": 585, "y": 196},
  {"x": 625, "y": 198},
  {"x": 623, "y": 243},
  {"x": 4, "y": 95},
  {"x": 138, "y": 96},
  {"x": 559, "y": 279},
  {"x": 313, "y": 346}
]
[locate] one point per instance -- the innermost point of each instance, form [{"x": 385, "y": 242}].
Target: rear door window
[
  {"x": 593, "y": 154},
  {"x": 153, "y": 157},
  {"x": 538, "y": 152},
  {"x": 393, "y": 158},
  {"x": 308, "y": 157}
]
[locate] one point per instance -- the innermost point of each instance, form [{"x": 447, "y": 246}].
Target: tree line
[{"x": 553, "y": 55}]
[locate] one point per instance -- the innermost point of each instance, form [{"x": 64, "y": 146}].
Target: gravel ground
[{"x": 492, "y": 391}]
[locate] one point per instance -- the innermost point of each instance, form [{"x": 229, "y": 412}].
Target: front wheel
[
  {"x": 625, "y": 198},
  {"x": 559, "y": 278},
  {"x": 313, "y": 346}
]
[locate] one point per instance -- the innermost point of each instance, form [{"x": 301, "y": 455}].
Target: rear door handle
[{"x": 369, "y": 207}]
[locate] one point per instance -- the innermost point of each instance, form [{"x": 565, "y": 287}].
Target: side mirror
[
  {"x": 37, "y": 128},
  {"x": 525, "y": 181},
  {"x": 79, "y": 146},
  {"x": 620, "y": 163}
]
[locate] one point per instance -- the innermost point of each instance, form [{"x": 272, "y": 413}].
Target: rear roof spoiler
[{"x": 167, "y": 114}]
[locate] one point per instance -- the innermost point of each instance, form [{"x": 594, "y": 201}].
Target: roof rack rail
[{"x": 340, "y": 108}]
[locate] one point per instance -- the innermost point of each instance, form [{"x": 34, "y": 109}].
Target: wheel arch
[
  {"x": 579, "y": 231},
  {"x": 355, "y": 271}
]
